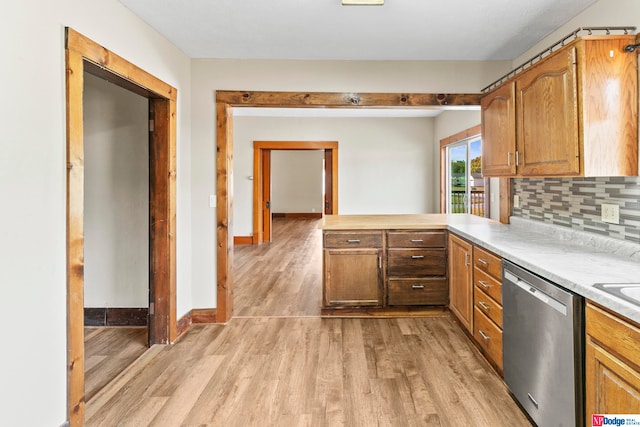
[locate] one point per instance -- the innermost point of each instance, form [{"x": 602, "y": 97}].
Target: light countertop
[{"x": 573, "y": 259}]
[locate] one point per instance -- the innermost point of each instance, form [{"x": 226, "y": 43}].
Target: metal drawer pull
[
  {"x": 417, "y": 286},
  {"x": 417, "y": 256},
  {"x": 484, "y": 284},
  {"x": 484, "y": 305},
  {"x": 485, "y": 336},
  {"x": 353, "y": 241},
  {"x": 535, "y": 402},
  {"x": 417, "y": 240},
  {"x": 483, "y": 262}
]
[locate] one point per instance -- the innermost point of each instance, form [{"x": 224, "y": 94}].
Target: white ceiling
[{"x": 324, "y": 29}]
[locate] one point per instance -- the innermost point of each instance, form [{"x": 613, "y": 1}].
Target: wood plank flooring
[
  {"x": 108, "y": 351},
  {"x": 277, "y": 363},
  {"x": 281, "y": 278}
]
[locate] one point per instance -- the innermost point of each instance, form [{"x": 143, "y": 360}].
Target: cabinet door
[
  {"x": 499, "y": 132},
  {"x": 547, "y": 117},
  {"x": 352, "y": 277},
  {"x": 612, "y": 357},
  {"x": 461, "y": 280}
]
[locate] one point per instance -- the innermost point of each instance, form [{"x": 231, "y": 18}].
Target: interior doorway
[
  {"x": 262, "y": 217},
  {"x": 83, "y": 55}
]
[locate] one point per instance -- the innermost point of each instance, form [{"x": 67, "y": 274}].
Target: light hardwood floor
[
  {"x": 281, "y": 278},
  {"x": 108, "y": 351},
  {"x": 279, "y": 364}
]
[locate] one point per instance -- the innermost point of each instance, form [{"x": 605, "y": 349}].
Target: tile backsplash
[{"x": 575, "y": 203}]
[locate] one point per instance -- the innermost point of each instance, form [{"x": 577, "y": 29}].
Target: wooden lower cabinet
[
  {"x": 353, "y": 269},
  {"x": 612, "y": 364},
  {"x": 461, "y": 280}
]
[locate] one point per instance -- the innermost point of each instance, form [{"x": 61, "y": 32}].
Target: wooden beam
[{"x": 344, "y": 100}]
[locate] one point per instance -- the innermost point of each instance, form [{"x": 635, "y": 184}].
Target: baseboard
[
  {"x": 242, "y": 240},
  {"x": 112, "y": 316},
  {"x": 203, "y": 315},
  {"x": 196, "y": 316},
  {"x": 299, "y": 215}
]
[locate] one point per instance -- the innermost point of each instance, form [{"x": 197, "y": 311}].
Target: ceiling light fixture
[{"x": 362, "y": 2}]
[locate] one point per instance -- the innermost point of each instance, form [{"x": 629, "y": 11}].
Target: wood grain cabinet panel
[
  {"x": 417, "y": 268},
  {"x": 416, "y": 262},
  {"x": 425, "y": 291},
  {"x": 612, "y": 363},
  {"x": 576, "y": 114},
  {"x": 352, "y": 277},
  {"x": 488, "y": 336},
  {"x": 461, "y": 280},
  {"x": 499, "y": 132},
  {"x": 352, "y": 274}
]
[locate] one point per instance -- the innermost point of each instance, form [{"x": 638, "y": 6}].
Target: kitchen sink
[{"x": 626, "y": 291}]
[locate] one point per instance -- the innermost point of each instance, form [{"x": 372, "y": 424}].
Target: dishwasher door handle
[{"x": 535, "y": 292}]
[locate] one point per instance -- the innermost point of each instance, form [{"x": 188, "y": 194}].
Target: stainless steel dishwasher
[{"x": 543, "y": 347}]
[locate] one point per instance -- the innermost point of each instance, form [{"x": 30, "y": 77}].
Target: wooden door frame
[
  {"x": 84, "y": 55},
  {"x": 259, "y": 150},
  {"x": 226, "y": 101}
]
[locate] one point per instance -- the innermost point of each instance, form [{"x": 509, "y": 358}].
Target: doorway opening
[
  {"x": 262, "y": 212},
  {"x": 83, "y": 55}
]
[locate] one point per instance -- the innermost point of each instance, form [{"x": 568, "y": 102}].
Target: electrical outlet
[
  {"x": 516, "y": 201},
  {"x": 610, "y": 213}
]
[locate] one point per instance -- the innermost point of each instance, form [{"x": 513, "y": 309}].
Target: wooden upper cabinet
[
  {"x": 547, "y": 118},
  {"x": 575, "y": 113},
  {"x": 499, "y": 132}
]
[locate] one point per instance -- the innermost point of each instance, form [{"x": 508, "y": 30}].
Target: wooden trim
[
  {"x": 224, "y": 211},
  {"x": 75, "y": 239},
  {"x": 505, "y": 200},
  {"x": 242, "y": 240},
  {"x": 299, "y": 215},
  {"x": 83, "y": 55},
  {"x": 295, "y": 145},
  {"x": 465, "y": 134},
  {"x": 114, "y": 64},
  {"x": 184, "y": 323},
  {"x": 224, "y": 143},
  {"x": 460, "y": 136},
  {"x": 196, "y": 316},
  {"x": 203, "y": 315},
  {"x": 116, "y": 316}
]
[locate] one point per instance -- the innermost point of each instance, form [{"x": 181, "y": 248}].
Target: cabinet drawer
[
  {"x": 415, "y": 239},
  {"x": 488, "y": 284},
  {"x": 364, "y": 239},
  {"x": 433, "y": 291},
  {"x": 487, "y": 262},
  {"x": 488, "y": 306},
  {"x": 488, "y": 336},
  {"x": 416, "y": 262}
]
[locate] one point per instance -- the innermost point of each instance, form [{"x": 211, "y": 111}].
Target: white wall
[
  {"x": 116, "y": 215},
  {"x": 602, "y": 13},
  {"x": 33, "y": 187},
  {"x": 209, "y": 75},
  {"x": 296, "y": 181},
  {"x": 384, "y": 165}
]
